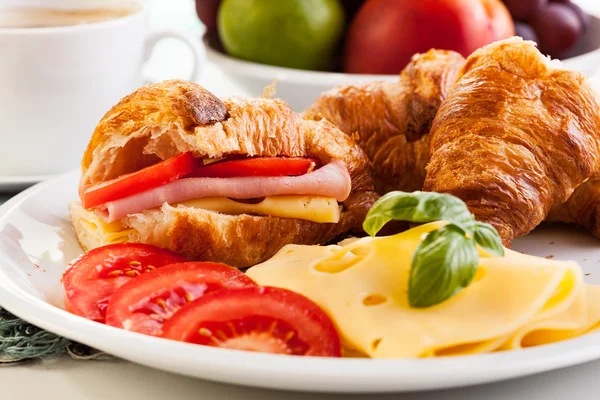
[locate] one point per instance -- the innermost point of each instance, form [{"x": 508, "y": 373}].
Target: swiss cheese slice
[
  {"x": 582, "y": 316},
  {"x": 363, "y": 287}
]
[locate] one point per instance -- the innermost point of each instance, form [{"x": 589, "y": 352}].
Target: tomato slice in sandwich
[
  {"x": 262, "y": 319},
  {"x": 259, "y": 166},
  {"x": 144, "y": 304},
  {"x": 90, "y": 280},
  {"x": 139, "y": 181}
]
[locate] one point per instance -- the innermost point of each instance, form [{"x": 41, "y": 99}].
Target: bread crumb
[
  {"x": 35, "y": 265},
  {"x": 550, "y": 257},
  {"x": 270, "y": 90},
  {"x": 588, "y": 274}
]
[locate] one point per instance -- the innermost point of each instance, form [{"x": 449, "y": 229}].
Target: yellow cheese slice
[
  {"x": 93, "y": 231},
  {"x": 363, "y": 287},
  {"x": 309, "y": 208},
  {"x": 582, "y": 316}
]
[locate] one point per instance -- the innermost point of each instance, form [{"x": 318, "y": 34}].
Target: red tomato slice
[
  {"x": 143, "y": 304},
  {"x": 139, "y": 181},
  {"x": 91, "y": 279},
  {"x": 259, "y": 166},
  {"x": 262, "y": 319}
]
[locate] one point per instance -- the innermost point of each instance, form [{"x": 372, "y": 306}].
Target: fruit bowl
[{"x": 300, "y": 87}]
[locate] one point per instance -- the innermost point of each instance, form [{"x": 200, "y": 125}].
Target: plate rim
[
  {"x": 27, "y": 179},
  {"x": 309, "y": 374}
]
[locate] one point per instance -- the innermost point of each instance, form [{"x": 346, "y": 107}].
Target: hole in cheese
[
  {"x": 374, "y": 300},
  {"x": 353, "y": 353},
  {"x": 375, "y": 344},
  {"x": 342, "y": 260}
]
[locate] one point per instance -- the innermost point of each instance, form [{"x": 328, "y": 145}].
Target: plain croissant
[
  {"x": 582, "y": 208},
  {"x": 515, "y": 136},
  {"x": 391, "y": 120}
]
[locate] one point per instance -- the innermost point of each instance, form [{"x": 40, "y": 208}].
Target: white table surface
[
  {"x": 67, "y": 379},
  {"x": 96, "y": 380}
]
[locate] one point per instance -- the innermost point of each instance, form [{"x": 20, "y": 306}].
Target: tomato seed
[
  {"x": 205, "y": 332},
  {"x": 221, "y": 335},
  {"x": 232, "y": 328},
  {"x": 161, "y": 303},
  {"x": 272, "y": 327}
]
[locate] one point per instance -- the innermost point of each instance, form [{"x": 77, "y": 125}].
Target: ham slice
[{"x": 331, "y": 180}]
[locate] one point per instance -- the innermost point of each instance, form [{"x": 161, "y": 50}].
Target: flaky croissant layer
[{"x": 391, "y": 120}]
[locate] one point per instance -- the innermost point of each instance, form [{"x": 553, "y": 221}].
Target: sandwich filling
[{"x": 274, "y": 186}]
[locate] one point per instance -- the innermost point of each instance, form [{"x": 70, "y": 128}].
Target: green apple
[{"x": 289, "y": 33}]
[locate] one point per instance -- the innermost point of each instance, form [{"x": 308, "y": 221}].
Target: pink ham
[{"x": 331, "y": 180}]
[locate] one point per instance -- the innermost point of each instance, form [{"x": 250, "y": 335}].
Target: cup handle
[{"x": 193, "y": 43}]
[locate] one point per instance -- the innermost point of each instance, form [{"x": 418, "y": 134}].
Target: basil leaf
[
  {"x": 487, "y": 237},
  {"x": 417, "y": 207},
  {"x": 443, "y": 264}
]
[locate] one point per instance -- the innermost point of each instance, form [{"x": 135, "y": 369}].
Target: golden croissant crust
[
  {"x": 582, "y": 208},
  {"x": 391, "y": 119},
  {"x": 515, "y": 136}
]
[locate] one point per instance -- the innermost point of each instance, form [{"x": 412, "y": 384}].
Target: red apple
[
  {"x": 386, "y": 33},
  {"x": 207, "y": 12}
]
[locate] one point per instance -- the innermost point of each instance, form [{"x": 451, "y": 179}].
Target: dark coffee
[{"x": 24, "y": 17}]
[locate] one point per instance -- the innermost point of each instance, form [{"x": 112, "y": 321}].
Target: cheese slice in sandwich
[
  {"x": 95, "y": 232},
  {"x": 308, "y": 208},
  {"x": 92, "y": 231}
]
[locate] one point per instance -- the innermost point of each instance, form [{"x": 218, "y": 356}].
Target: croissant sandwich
[
  {"x": 229, "y": 180},
  {"x": 391, "y": 120},
  {"x": 516, "y": 135}
]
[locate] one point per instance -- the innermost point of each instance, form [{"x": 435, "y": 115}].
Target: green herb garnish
[{"x": 445, "y": 262}]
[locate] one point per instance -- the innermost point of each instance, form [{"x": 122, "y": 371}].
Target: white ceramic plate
[
  {"x": 36, "y": 242},
  {"x": 18, "y": 183}
]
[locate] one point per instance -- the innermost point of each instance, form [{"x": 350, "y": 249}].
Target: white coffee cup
[{"x": 56, "y": 83}]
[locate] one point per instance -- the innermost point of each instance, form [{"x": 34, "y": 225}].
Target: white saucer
[{"x": 18, "y": 183}]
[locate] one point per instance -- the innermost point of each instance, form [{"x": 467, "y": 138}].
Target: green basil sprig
[{"x": 446, "y": 261}]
